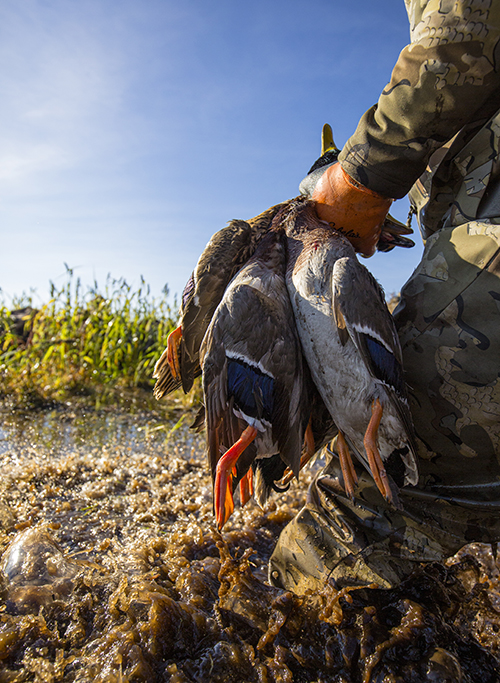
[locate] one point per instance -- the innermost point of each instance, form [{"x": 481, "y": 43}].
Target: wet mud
[{"x": 113, "y": 571}]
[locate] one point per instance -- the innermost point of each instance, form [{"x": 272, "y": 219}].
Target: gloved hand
[
  {"x": 351, "y": 208},
  {"x": 360, "y": 213}
]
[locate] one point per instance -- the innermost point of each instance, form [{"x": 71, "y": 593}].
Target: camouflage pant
[{"x": 449, "y": 326}]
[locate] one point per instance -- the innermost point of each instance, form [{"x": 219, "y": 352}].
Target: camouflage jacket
[{"x": 438, "y": 111}]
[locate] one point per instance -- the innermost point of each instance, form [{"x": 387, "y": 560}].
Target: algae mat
[{"x": 113, "y": 571}]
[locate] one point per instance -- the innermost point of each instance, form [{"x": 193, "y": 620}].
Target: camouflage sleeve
[{"x": 447, "y": 77}]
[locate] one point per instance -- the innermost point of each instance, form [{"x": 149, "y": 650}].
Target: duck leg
[
  {"x": 347, "y": 466},
  {"x": 223, "y": 490},
  {"x": 374, "y": 460},
  {"x": 246, "y": 487},
  {"x": 173, "y": 343}
]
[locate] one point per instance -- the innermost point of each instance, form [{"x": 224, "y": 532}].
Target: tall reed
[{"x": 84, "y": 342}]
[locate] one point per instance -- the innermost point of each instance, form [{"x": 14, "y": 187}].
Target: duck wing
[
  {"x": 361, "y": 313},
  {"x": 226, "y": 252},
  {"x": 165, "y": 381}
]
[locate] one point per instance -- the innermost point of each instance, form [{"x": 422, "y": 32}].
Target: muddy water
[{"x": 113, "y": 571}]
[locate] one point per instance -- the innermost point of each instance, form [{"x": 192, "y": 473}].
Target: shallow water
[{"x": 113, "y": 571}]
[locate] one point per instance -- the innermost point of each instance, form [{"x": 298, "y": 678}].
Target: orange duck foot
[
  {"x": 223, "y": 488},
  {"x": 374, "y": 460},
  {"x": 246, "y": 487},
  {"x": 347, "y": 466},
  {"x": 173, "y": 343}
]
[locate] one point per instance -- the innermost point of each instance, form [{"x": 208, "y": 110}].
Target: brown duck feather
[{"x": 226, "y": 252}]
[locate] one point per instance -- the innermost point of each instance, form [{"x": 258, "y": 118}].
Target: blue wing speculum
[
  {"x": 384, "y": 364},
  {"x": 252, "y": 389}
]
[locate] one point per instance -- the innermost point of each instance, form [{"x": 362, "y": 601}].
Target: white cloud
[
  {"x": 61, "y": 85},
  {"x": 34, "y": 159}
]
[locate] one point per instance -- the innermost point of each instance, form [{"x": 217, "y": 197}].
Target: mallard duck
[
  {"x": 257, "y": 391},
  {"x": 226, "y": 252},
  {"x": 352, "y": 348}
]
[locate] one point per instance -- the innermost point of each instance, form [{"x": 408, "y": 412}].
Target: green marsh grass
[{"x": 94, "y": 345}]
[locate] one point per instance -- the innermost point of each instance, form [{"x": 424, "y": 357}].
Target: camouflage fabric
[
  {"x": 449, "y": 328},
  {"x": 461, "y": 181},
  {"x": 449, "y": 322},
  {"x": 334, "y": 540},
  {"x": 448, "y": 318},
  {"x": 447, "y": 78}
]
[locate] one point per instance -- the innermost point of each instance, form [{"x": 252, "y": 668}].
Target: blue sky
[{"x": 132, "y": 130}]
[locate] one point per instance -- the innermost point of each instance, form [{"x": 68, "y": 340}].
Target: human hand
[
  {"x": 391, "y": 233},
  {"x": 351, "y": 208}
]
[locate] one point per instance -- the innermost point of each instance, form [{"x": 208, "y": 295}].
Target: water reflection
[{"x": 57, "y": 432}]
